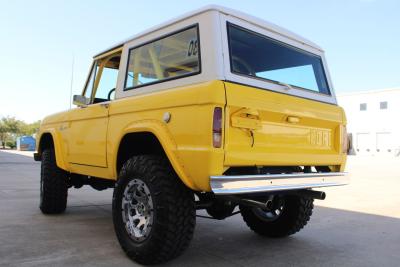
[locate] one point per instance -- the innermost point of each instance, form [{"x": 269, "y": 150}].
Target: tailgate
[{"x": 266, "y": 128}]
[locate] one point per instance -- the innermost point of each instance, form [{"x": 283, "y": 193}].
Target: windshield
[{"x": 258, "y": 56}]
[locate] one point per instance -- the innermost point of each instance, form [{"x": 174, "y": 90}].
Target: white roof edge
[
  {"x": 369, "y": 91},
  {"x": 249, "y": 18}
]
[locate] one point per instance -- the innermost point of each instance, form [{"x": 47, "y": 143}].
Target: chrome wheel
[{"x": 137, "y": 210}]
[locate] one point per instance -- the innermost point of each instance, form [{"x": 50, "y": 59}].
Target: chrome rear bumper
[{"x": 242, "y": 184}]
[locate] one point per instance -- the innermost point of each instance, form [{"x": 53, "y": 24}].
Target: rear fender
[{"x": 160, "y": 131}]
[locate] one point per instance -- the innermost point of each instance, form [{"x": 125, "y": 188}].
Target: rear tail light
[
  {"x": 345, "y": 141},
  {"x": 217, "y": 127}
]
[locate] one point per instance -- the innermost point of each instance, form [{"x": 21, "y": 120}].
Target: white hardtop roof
[{"x": 227, "y": 11}]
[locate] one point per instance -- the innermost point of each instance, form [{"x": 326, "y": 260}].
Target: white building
[{"x": 373, "y": 119}]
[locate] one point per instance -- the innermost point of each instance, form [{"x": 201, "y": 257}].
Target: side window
[
  {"x": 107, "y": 78},
  {"x": 171, "y": 57}
]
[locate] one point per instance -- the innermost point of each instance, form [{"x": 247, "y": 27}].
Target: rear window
[
  {"x": 257, "y": 56},
  {"x": 174, "y": 56}
]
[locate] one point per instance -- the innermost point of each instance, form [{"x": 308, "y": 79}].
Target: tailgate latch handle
[
  {"x": 293, "y": 119},
  {"x": 246, "y": 118}
]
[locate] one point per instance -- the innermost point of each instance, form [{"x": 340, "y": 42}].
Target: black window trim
[
  {"x": 196, "y": 25},
  {"x": 284, "y": 44}
]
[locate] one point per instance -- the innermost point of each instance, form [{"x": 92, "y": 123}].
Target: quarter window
[
  {"x": 89, "y": 85},
  {"x": 258, "y": 56},
  {"x": 171, "y": 57}
]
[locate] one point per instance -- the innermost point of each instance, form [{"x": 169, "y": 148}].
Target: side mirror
[{"x": 81, "y": 101}]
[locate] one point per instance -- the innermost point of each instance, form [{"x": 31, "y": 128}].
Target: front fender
[{"x": 60, "y": 161}]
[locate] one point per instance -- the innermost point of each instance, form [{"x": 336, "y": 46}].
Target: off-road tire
[
  {"x": 53, "y": 185},
  {"x": 174, "y": 213},
  {"x": 295, "y": 215}
]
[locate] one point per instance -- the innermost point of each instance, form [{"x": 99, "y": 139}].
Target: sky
[{"x": 39, "y": 39}]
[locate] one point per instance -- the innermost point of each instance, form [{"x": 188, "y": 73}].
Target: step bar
[{"x": 244, "y": 184}]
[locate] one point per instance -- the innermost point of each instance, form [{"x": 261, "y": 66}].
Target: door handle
[{"x": 293, "y": 119}]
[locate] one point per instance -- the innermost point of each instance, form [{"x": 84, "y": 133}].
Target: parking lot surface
[{"x": 357, "y": 225}]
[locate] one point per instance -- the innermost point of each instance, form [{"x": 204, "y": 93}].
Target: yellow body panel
[
  {"x": 87, "y": 132},
  {"x": 186, "y": 139},
  {"x": 287, "y": 130},
  {"x": 273, "y": 129}
]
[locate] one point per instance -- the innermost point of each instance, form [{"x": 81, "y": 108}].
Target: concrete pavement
[{"x": 358, "y": 225}]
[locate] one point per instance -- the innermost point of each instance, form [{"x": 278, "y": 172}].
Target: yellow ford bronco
[{"x": 214, "y": 110}]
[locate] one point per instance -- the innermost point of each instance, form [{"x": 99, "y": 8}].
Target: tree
[
  {"x": 14, "y": 125},
  {"x": 8, "y": 125},
  {"x": 29, "y": 128},
  {"x": 3, "y": 133},
  {"x": 10, "y": 128}
]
